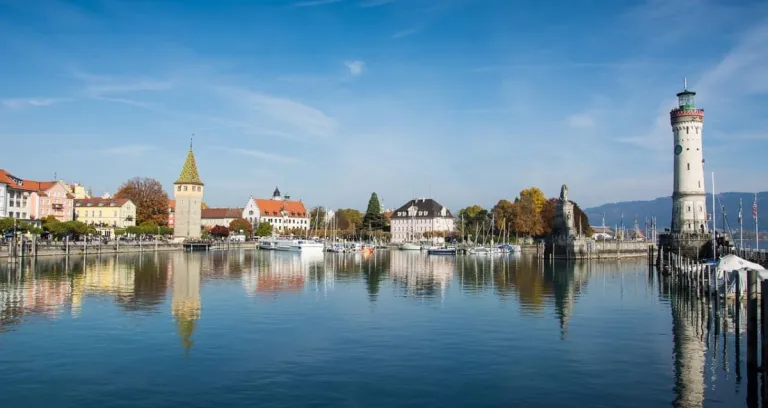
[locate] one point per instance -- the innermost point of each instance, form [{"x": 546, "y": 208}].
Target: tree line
[{"x": 530, "y": 214}]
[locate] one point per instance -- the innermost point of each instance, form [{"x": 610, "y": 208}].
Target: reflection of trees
[
  {"x": 150, "y": 281},
  {"x": 535, "y": 284},
  {"x": 374, "y": 271}
]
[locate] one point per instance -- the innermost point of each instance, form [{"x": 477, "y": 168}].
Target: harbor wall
[
  {"x": 57, "y": 249},
  {"x": 587, "y": 248}
]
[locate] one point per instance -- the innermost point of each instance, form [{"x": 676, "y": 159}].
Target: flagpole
[
  {"x": 757, "y": 233},
  {"x": 741, "y": 228},
  {"x": 714, "y": 221}
]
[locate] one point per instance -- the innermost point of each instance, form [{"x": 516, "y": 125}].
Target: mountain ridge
[{"x": 661, "y": 208}]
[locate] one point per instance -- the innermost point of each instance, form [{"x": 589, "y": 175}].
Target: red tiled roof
[
  {"x": 172, "y": 204},
  {"x": 101, "y": 202},
  {"x": 274, "y": 208},
  {"x": 221, "y": 213},
  {"x": 27, "y": 185}
]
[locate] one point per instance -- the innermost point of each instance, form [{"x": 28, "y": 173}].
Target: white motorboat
[
  {"x": 298, "y": 245},
  {"x": 442, "y": 251},
  {"x": 479, "y": 251},
  {"x": 410, "y": 246}
]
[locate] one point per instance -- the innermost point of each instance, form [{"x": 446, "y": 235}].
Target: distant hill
[{"x": 661, "y": 208}]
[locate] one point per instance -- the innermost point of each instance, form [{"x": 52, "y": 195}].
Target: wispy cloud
[
  {"x": 581, "y": 121},
  {"x": 405, "y": 33},
  {"x": 34, "y": 102},
  {"x": 127, "y": 150},
  {"x": 296, "y": 114},
  {"x": 260, "y": 154},
  {"x": 314, "y": 3},
  {"x": 102, "y": 85},
  {"x": 737, "y": 75},
  {"x": 355, "y": 67},
  {"x": 375, "y": 3}
]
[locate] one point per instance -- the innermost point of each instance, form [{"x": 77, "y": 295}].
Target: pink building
[{"x": 52, "y": 198}]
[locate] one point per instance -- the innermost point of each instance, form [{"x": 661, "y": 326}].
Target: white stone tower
[
  {"x": 188, "y": 192},
  {"x": 689, "y": 209}
]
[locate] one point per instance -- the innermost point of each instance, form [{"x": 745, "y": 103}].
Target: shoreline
[{"x": 112, "y": 249}]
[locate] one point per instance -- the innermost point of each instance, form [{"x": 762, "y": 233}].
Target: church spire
[{"x": 189, "y": 173}]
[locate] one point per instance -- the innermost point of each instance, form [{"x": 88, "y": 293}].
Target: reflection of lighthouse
[
  {"x": 690, "y": 354},
  {"x": 185, "y": 304}
]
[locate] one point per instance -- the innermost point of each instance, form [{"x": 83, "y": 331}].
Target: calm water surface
[{"x": 253, "y": 328}]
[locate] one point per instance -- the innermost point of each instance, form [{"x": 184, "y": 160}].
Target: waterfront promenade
[{"x": 79, "y": 248}]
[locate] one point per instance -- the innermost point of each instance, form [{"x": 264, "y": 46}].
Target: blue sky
[{"x": 466, "y": 101}]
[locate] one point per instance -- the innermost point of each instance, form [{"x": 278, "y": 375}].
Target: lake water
[{"x": 262, "y": 329}]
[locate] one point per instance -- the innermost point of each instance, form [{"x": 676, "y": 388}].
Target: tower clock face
[{"x": 678, "y": 149}]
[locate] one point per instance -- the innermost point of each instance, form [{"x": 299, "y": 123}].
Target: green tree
[
  {"x": 348, "y": 219},
  {"x": 241, "y": 224},
  {"x": 504, "y": 212},
  {"x": 317, "y": 218},
  {"x": 373, "y": 218},
  {"x": 150, "y": 199},
  {"x": 264, "y": 229},
  {"x": 471, "y": 219}
]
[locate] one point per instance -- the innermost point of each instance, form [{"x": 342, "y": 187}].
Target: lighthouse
[{"x": 689, "y": 210}]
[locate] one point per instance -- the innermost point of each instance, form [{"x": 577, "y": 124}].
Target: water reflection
[
  {"x": 185, "y": 299},
  {"x": 704, "y": 342}
]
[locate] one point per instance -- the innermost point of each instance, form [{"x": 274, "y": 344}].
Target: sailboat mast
[{"x": 714, "y": 220}]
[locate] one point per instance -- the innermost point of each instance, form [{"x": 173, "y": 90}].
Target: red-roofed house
[
  {"x": 282, "y": 213},
  {"x": 211, "y": 217},
  {"x": 29, "y": 200}
]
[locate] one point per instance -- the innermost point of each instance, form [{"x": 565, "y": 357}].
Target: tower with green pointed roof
[{"x": 188, "y": 192}]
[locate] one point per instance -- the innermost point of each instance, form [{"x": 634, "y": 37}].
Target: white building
[
  {"x": 420, "y": 216},
  {"x": 689, "y": 209},
  {"x": 281, "y": 212}
]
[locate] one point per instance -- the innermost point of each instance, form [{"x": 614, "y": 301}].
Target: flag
[
  {"x": 754, "y": 209},
  {"x": 739, "y": 210}
]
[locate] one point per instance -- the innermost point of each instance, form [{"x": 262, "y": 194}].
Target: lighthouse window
[
  {"x": 699, "y": 183},
  {"x": 689, "y": 208},
  {"x": 689, "y": 166},
  {"x": 686, "y": 130}
]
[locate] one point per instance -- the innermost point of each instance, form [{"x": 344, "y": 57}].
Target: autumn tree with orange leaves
[{"x": 148, "y": 196}]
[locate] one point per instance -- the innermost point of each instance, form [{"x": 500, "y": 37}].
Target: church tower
[
  {"x": 188, "y": 192},
  {"x": 689, "y": 209}
]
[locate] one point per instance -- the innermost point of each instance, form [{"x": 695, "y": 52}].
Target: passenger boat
[{"x": 297, "y": 245}]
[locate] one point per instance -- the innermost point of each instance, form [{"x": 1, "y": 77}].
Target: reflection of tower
[
  {"x": 567, "y": 286},
  {"x": 185, "y": 304},
  {"x": 689, "y": 210},
  {"x": 690, "y": 353}
]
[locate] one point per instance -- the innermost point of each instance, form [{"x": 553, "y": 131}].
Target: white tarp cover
[{"x": 733, "y": 267}]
